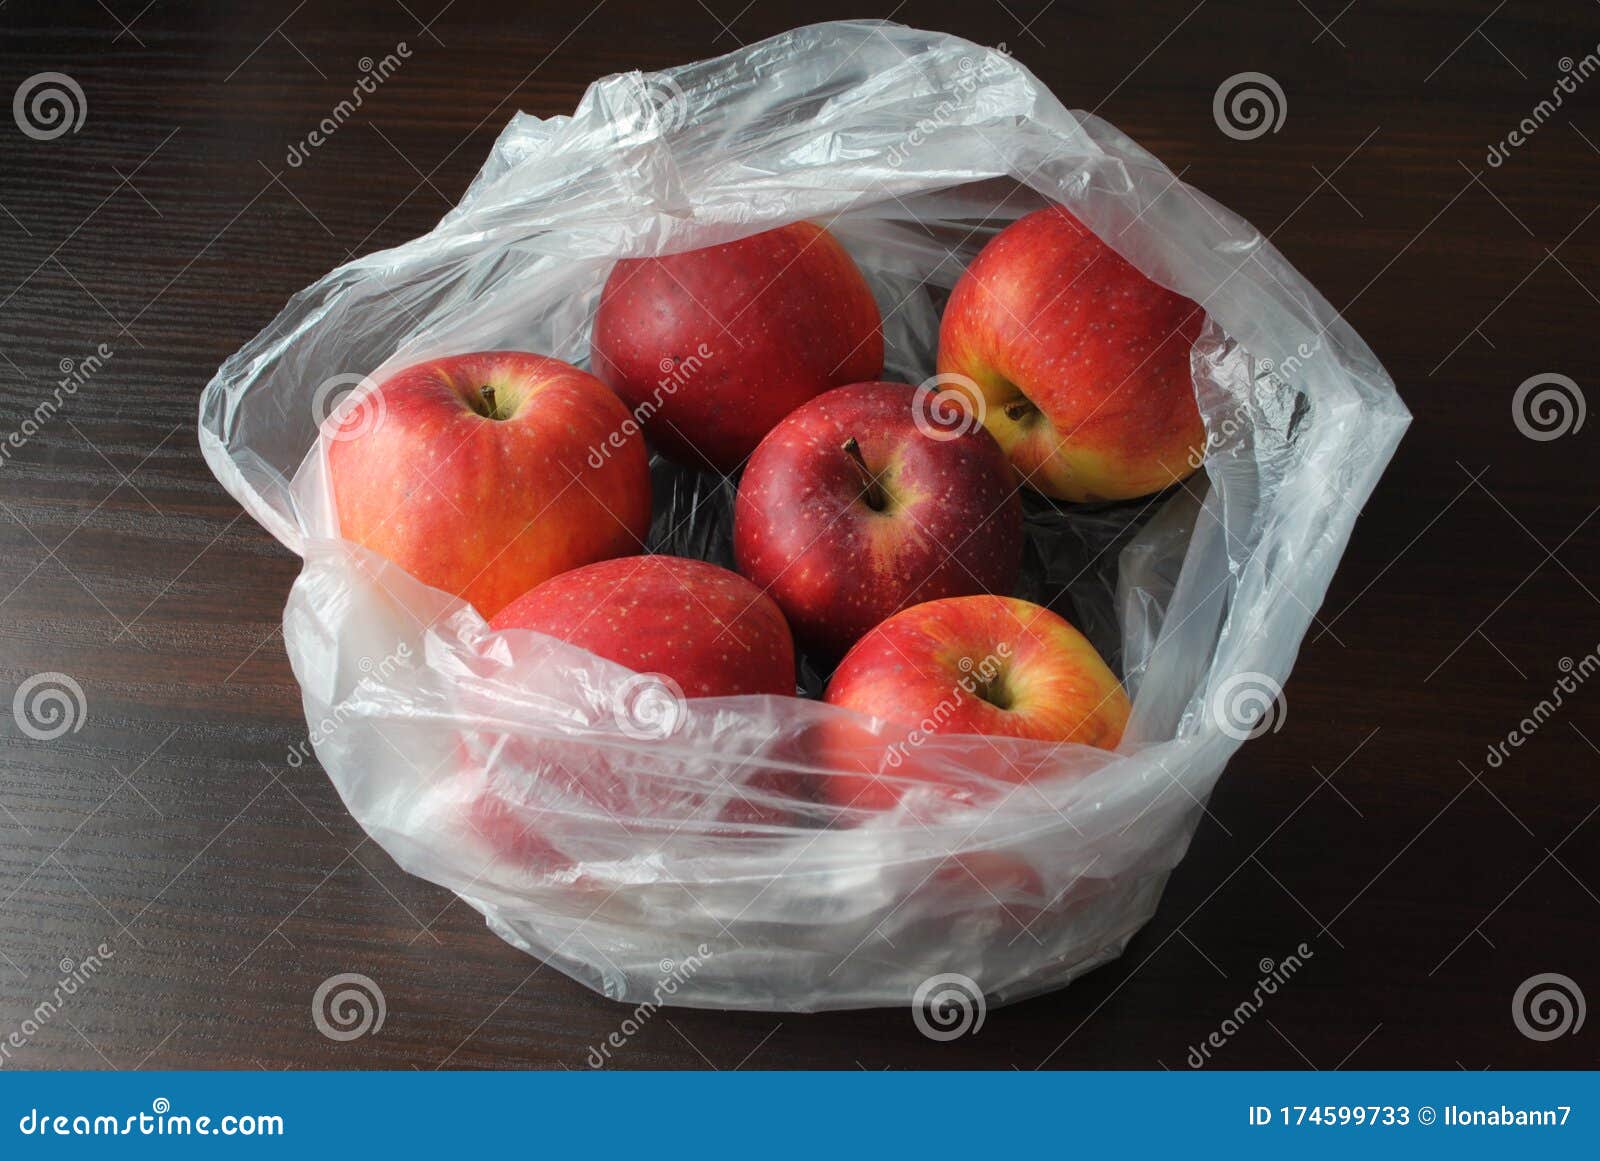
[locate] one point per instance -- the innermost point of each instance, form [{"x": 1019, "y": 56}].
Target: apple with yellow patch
[
  {"x": 477, "y": 473},
  {"x": 987, "y": 665},
  {"x": 1081, "y": 362}
]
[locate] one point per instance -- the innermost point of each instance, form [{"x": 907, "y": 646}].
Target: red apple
[
  {"x": 712, "y": 347},
  {"x": 862, "y": 503},
  {"x": 484, "y": 474},
  {"x": 987, "y": 665},
  {"x": 1081, "y": 362},
  {"x": 706, "y": 629},
  {"x": 692, "y": 630}
]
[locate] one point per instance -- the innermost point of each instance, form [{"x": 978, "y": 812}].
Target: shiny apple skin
[
  {"x": 487, "y": 508},
  {"x": 706, "y": 628},
  {"x": 781, "y": 316},
  {"x": 805, "y": 532},
  {"x": 1050, "y": 314},
  {"x": 940, "y": 668}
]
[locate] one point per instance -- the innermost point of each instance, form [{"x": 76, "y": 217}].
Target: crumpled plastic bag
[{"x": 668, "y": 852}]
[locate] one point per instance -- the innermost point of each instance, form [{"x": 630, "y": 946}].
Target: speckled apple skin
[
  {"x": 805, "y": 534},
  {"x": 1049, "y": 312},
  {"x": 486, "y": 508},
  {"x": 708, "y": 629},
  {"x": 910, "y": 671},
  {"x": 785, "y": 315}
]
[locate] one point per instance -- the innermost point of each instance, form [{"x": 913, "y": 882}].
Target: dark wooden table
[{"x": 227, "y": 884}]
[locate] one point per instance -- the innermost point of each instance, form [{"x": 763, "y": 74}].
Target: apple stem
[
  {"x": 871, "y": 489},
  {"x": 1018, "y": 408},
  {"x": 995, "y": 693},
  {"x": 486, "y": 393}
]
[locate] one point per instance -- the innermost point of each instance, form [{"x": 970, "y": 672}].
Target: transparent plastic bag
[{"x": 681, "y": 861}]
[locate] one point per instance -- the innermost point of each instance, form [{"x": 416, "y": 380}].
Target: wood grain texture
[{"x": 229, "y": 883}]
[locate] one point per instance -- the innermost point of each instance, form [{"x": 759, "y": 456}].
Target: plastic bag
[{"x": 696, "y": 873}]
